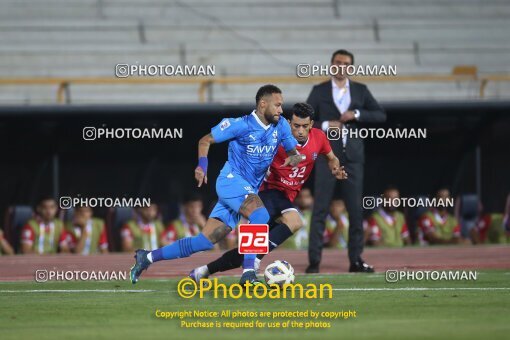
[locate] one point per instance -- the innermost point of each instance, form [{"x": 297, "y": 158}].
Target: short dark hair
[
  {"x": 441, "y": 188},
  {"x": 302, "y": 110},
  {"x": 44, "y": 198},
  {"x": 391, "y": 187},
  {"x": 266, "y": 90},
  {"x": 343, "y": 52}
]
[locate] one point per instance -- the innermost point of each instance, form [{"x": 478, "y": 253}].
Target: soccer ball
[{"x": 280, "y": 273}]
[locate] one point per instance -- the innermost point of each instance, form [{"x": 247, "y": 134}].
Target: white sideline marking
[
  {"x": 174, "y": 291},
  {"x": 79, "y": 291},
  {"x": 419, "y": 288}
]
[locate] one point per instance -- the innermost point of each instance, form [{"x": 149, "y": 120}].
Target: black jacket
[{"x": 321, "y": 99}]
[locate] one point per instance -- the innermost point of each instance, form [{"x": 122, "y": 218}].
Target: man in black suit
[{"x": 341, "y": 104}]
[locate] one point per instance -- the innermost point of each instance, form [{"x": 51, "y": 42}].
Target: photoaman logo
[
  {"x": 253, "y": 239},
  {"x": 187, "y": 288}
]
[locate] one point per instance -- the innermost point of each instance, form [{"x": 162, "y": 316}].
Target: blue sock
[
  {"x": 258, "y": 216},
  {"x": 249, "y": 261},
  {"x": 182, "y": 248}
]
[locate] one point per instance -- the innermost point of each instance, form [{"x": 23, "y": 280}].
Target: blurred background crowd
[{"x": 47, "y": 230}]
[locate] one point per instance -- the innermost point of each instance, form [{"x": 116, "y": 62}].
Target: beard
[{"x": 271, "y": 118}]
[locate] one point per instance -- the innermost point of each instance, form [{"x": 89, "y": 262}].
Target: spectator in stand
[
  {"x": 438, "y": 225},
  {"x": 190, "y": 221},
  {"x": 44, "y": 234},
  {"x": 304, "y": 203},
  {"x": 145, "y": 231},
  {"x": 5, "y": 247},
  {"x": 337, "y": 225},
  {"x": 86, "y": 234},
  {"x": 387, "y": 225},
  {"x": 492, "y": 228}
]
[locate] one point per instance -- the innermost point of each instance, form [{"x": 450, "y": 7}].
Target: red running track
[{"x": 23, "y": 267}]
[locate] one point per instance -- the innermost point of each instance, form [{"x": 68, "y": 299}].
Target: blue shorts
[{"x": 232, "y": 191}]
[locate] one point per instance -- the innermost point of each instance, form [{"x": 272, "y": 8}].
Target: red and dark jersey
[
  {"x": 72, "y": 241},
  {"x": 290, "y": 179}
]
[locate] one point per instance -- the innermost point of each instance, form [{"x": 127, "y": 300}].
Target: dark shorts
[{"x": 276, "y": 203}]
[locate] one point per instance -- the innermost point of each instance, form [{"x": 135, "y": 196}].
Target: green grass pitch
[{"x": 404, "y": 310}]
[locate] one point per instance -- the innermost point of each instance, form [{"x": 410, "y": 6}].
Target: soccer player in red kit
[{"x": 281, "y": 186}]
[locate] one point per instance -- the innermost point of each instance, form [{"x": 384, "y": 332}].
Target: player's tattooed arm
[
  {"x": 294, "y": 158},
  {"x": 203, "y": 150},
  {"x": 334, "y": 165}
]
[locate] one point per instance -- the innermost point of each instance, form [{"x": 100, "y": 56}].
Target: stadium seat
[
  {"x": 467, "y": 211},
  {"x": 115, "y": 219},
  {"x": 15, "y": 218},
  {"x": 66, "y": 214},
  {"x": 168, "y": 211},
  {"x": 412, "y": 216},
  {"x": 87, "y": 38}
]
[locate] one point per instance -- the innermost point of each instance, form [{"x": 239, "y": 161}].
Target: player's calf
[
  {"x": 213, "y": 232},
  {"x": 231, "y": 259},
  {"x": 293, "y": 220},
  {"x": 253, "y": 209}
]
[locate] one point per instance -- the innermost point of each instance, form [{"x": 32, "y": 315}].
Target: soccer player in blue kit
[{"x": 254, "y": 140}]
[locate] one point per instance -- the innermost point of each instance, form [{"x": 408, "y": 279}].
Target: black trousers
[{"x": 351, "y": 191}]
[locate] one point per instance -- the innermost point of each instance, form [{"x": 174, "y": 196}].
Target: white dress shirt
[{"x": 342, "y": 100}]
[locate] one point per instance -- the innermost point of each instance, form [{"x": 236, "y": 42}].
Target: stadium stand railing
[{"x": 206, "y": 84}]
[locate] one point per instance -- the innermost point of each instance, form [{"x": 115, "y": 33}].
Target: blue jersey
[{"x": 252, "y": 146}]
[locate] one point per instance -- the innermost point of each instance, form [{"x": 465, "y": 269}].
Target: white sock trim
[{"x": 149, "y": 257}]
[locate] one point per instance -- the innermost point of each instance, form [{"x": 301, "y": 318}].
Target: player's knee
[
  {"x": 259, "y": 216},
  {"x": 250, "y": 204},
  {"x": 293, "y": 221}
]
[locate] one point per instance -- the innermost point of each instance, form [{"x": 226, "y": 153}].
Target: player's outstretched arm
[
  {"x": 294, "y": 158},
  {"x": 334, "y": 165},
  {"x": 203, "y": 150}
]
